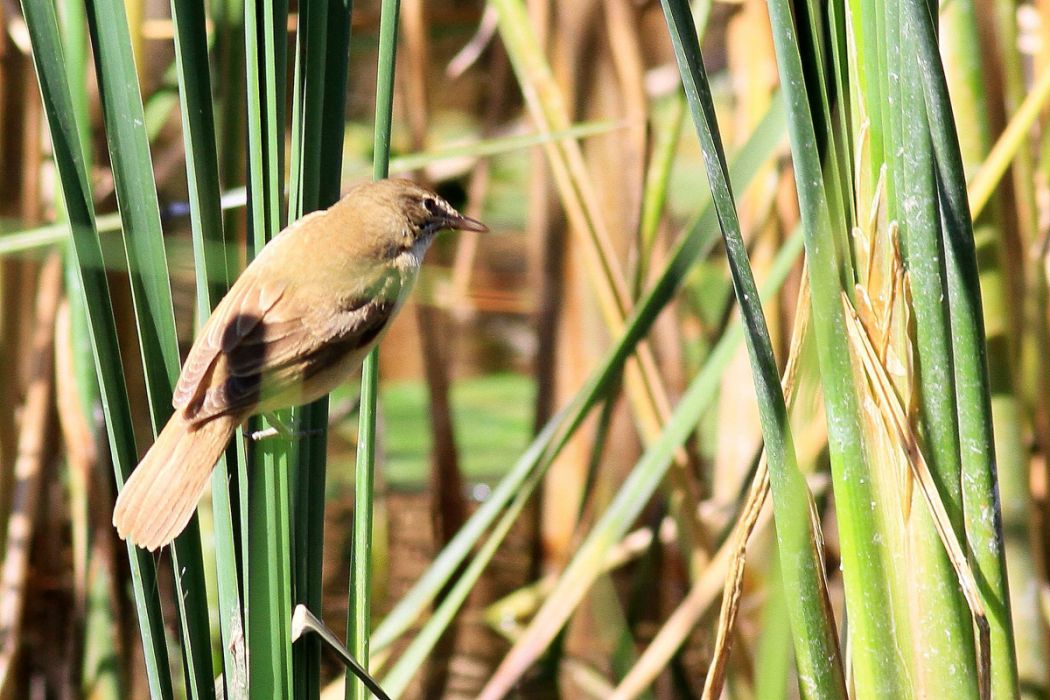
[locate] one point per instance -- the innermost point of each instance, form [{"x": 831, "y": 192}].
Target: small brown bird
[{"x": 297, "y": 322}]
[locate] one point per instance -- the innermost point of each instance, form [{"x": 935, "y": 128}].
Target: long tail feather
[{"x": 159, "y": 498}]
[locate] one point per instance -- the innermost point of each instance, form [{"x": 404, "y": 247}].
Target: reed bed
[{"x": 760, "y": 329}]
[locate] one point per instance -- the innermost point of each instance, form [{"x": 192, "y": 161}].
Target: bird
[{"x": 296, "y": 323}]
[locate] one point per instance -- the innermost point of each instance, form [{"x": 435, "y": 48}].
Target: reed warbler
[{"x": 297, "y": 322}]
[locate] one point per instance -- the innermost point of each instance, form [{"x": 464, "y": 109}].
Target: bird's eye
[{"x": 431, "y": 205}]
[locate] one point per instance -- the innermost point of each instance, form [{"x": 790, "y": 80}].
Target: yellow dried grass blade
[
  {"x": 896, "y": 423},
  {"x": 752, "y": 509}
]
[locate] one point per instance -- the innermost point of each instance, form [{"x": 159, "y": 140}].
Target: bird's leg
[{"x": 278, "y": 428}]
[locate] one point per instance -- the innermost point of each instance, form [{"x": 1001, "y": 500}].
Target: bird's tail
[{"x": 162, "y": 493}]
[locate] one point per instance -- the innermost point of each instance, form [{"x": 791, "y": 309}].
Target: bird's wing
[
  {"x": 267, "y": 341},
  {"x": 245, "y": 305},
  {"x": 238, "y": 314}
]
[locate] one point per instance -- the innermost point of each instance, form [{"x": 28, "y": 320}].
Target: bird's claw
[
  {"x": 271, "y": 432},
  {"x": 278, "y": 428}
]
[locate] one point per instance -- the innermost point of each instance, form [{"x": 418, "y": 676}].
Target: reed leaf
[
  {"x": 42, "y": 24},
  {"x": 151, "y": 293},
  {"x": 27, "y": 240},
  {"x": 359, "y": 623},
  {"x": 945, "y": 631},
  {"x": 268, "y": 582},
  {"x": 634, "y": 493},
  {"x": 696, "y": 241},
  {"x": 209, "y": 246},
  {"x": 801, "y": 559},
  {"x": 867, "y": 592},
  {"x": 982, "y": 516},
  {"x": 317, "y": 146}
]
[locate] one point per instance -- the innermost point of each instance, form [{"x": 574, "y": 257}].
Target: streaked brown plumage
[{"x": 297, "y": 322}]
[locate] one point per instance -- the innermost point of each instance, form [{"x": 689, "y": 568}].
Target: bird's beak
[{"x": 465, "y": 223}]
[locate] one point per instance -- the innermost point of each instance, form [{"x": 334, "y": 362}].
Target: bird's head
[
  {"x": 399, "y": 217},
  {"x": 427, "y": 213}
]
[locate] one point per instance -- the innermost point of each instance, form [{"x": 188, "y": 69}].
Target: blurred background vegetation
[{"x": 573, "y": 469}]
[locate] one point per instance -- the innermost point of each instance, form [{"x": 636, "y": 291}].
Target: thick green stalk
[
  {"x": 816, "y": 645},
  {"x": 228, "y": 57},
  {"x": 359, "y": 623},
  {"x": 973, "y": 390},
  {"x": 136, "y": 191},
  {"x": 870, "y": 84},
  {"x": 841, "y": 106},
  {"x": 73, "y": 18},
  {"x": 969, "y": 89},
  {"x": 886, "y": 483},
  {"x": 309, "y": 479},
  {"x": 822, "y": 89},
  {"x": 360, "y": 618},
  {"x": 102, "y": 671},
  {"x": 268, "y": 582},
  {"x": 317, "y": 146},
  {"x": 892, "y": 62},
  {"x": 137, "y": 200},
  {"x": 878, "y": 672},
  {"x": 42, "y": 24},
  {"x": 209, "y": 248},
  {"x": 942, "y": 625}
]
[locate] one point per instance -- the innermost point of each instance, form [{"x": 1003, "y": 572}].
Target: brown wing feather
[
  {"x": 275, "y": 359},
  {"x": 246, "y": 304},
  {"x": 236, "y": 316},
  {"x": 258, "y": 366}
]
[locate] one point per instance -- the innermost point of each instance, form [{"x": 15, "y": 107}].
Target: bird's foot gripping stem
[{"x": 278, "y": 428}]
